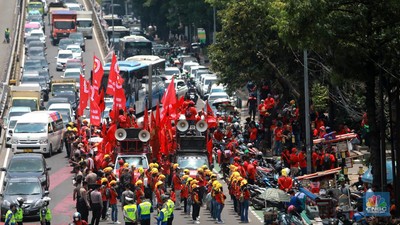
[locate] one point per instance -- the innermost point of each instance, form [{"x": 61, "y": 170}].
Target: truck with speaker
[
  {"x": 133, "y": 148},
  {"x": 192, "y": 141}
]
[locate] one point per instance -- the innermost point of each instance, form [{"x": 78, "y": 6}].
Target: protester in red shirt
[
  {"x": 285, "y": 156},
  {"x": 269, "y": 102},
  {"x": 252, "y": 172},
  {"x": 285, "y": 182},
  {"x": 315, "y": 160},
  {"x": 122, "y": 121},
  {"x": 113, "y": 201},
  {"x": 303, "y": 161},
  {"x": 218, "y": 135},
  {"x": 253, "y": 132},
  {"x": 322, "y": 132},
  {"x": 177, "y": 184},
  {"x": 278, "y": 136}
]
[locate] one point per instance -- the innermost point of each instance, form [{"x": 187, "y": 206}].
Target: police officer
[
  {"x": 9, "y": 218},
  {"x": 45, "y": 212},
  {"x": 19, "y": 214},
  {"x": 130, "y": 212},
  {"x": 144, "y": 210},
  {"x": 162, "y": 217},
  {"x": 170, "y": 210}
]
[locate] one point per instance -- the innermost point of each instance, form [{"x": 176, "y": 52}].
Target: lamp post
[
  {"x": 112, "y": 22},
  {"x": 307, "y": 112}
]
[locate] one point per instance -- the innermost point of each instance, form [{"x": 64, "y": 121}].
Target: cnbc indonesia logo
[{"x": 376, "y": 204}]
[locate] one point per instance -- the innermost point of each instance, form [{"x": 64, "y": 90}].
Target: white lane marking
[
  {"x": 250, "y": 209},
  {"x": 4, "y": 165},
  {"x": 95, "y": 34}
]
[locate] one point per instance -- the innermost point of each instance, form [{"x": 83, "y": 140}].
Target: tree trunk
[{"x": 370, "y": 102}]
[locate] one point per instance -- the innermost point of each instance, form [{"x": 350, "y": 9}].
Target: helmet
[
  {"x": 200, "y": 170},
  {"x": 139, "y": 182},
  {"x": 204, "y": 167},
  {"x": 108, "y": 169},
  {"x": 141, "y": 170},
  {"x": 186, "y": 171},
  {"x": 154, "y": 171},
  {"x": 213, "y": 176},
  {"x": 184, "y": 177},
  {"x": 175, "y": 166},
  {"x": 126, "y": 165},
  {"x": 20, "y": 200},
  {"x": 77, "y": 216},
  {"x": 46, "y": 199},
  {"x": 113, "y": 182},
  {"x": 159, "y": 183},
  {"x": 128, "y": 199},
  {"x": 104, "y": 180},
  {"x": 161, "y": 177},
  {"x": 106, "y": 156},
  {"x": 195, "y": 186}
]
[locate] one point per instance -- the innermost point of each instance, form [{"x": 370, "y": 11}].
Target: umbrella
[
  {"x": 220, "y": 101},
  {"x": 95, "y": 140},
  {"x": 275, "y": 195},
  {"x": 368, "y": 178}
]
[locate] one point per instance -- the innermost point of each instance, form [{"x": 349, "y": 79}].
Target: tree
[
  {"x": 248, "y": 49},
  {"x": 357, "y": 39}
]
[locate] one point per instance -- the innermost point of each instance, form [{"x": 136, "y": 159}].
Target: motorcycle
[{"x": 289, "y": 219}]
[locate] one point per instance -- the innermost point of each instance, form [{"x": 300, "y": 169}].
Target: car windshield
[
  {"x": 12, "y": 123},
  {"x": 75, "y": 50},
  {"x": 32, "y": 79},
  {"x": 208, "y": 82},
  {"x": 37, "y": 35},
  {"x": 137, "y": 161},
  {"x": 38, "y": 52},
  {"x": 65, "y": 56},
  {"x": 32, "y": 103},
  {"x": 191, "y": 162},
  {"x": 64, "y": 43},
  {"x": 72, "y": 74},
  {"x": 84, "y": 23},
  {"x": 171, "y": 72},
  {"x": 76, "y": 36},
  {"x": 213, "y": 98},
  {"x": 32, "y": 65},
  {"x": 26, "y": 165},
  {"x": 11, "y": 114},
  {"x": 73, "y": 65},
  {"x": 64, "y": 25},
  {"x": 63, "y": 112},
  {"x": 30, "y": 128},
  {"x": 215, "y": 90},
  {"x": 23, "y": 188}
]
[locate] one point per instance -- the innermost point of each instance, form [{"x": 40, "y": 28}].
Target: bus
[
  {"x": 155, "y": 68},
  {"x": 110, "y": 18},
  {"x": 119, "y": 32},
  {"x": 137, "y": 92},
  {"x": 134, "y": 45}
]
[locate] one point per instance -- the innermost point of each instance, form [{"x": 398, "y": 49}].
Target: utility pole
[
  {"x": 307, "y": 112},
  {"x": 112, "y": 23},
  {"x": 215, "y": 25}
]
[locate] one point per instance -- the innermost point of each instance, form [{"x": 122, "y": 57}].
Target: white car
[
  {"x": 30, "y": 26},
  {"x": 39, "y": 33},
  {"x": 172, "y": 71},
  {"x": 76, "y": 51},
  {"x": 208, "y": 80},
  {"x": 214, "y": 96},
  {"x": 180, "y": 87},
  {"x": 65, "y": 109},
  {"x": 62, "y": 58},
  {"x": 194, "y": 69},
  {"x": 10, "y": 127},
  {"x": 74, "y": 6},
  {"x": 187, "y": 66},
  {"x": 15, "y": 111},
  {"x": 72, "y": 73}
]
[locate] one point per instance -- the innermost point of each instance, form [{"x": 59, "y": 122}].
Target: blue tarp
[
  {"x": 368, "y": 178},
  {"x": 308, "y": 193}
]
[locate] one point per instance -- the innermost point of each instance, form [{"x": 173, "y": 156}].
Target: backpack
[{"x": 327, "y": 162}]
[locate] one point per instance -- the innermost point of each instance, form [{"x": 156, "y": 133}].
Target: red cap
[
  {"x": 121, "y": 162},
  {"x": 237, "y": 158}
]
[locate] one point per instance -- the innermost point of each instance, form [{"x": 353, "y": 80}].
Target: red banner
[
  {"x": 119, "y": 97},
  {"x": 112, "y": 76},
  {"x": 95, "y": 114},
  {"x": 169, "y": 97},
  {"x": 84, "y": 92},
  {"x": 98, "y": 73}
]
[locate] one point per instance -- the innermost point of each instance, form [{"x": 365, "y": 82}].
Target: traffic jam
[{"x": 146, "y": 133}]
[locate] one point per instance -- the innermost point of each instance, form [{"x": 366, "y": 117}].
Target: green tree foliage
[{"x": 248, "y": 49}]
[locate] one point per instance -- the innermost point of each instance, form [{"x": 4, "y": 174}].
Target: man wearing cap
[
  {"x": 9, "y": 219},
  {"x": 252, "y": 172},
  {"x": 127, "y": 193},
  {"x": 139, "y": 193},
  {"x": 177, "y": 186},
  {"x": 130, "y": 212},
  {"x": 132, "y": 118},
  {"x": 144, "y": 210}
]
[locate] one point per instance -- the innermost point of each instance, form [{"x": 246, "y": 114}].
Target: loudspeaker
[
  {"x": 144, "y": 135},
  {"x": 182, "y": 125},
  {"x": 201, "y": 126},
  {"x": 120, "y": 134}
]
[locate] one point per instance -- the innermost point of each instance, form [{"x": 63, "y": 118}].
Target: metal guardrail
[
  {"x": 13, "y": 63},
  {"x": 93, "y": 6}
]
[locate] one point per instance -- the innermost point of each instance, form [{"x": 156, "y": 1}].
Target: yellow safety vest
[
  {"x": 19, "y": 215},
  {"x": 130, "y": 211},
  {"x": 164, "y": 210},
  {"x": 12, "y": 220},
  {"x": 170, "y": 207},
  {"x": 47, "y": 217},
  {"x": 145, "y": 208}
]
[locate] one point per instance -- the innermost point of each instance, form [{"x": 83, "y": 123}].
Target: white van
[{"x": 39, "y": 131}]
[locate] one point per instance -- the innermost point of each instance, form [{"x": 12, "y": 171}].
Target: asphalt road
[{"x": 61, "y": 187}]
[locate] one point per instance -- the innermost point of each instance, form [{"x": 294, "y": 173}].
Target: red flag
[
  {"x": 84, "y": 92},
  {"x": 146, "y": 119},
  {"x": 119, "y": 96},
  {"x": 98, "y": 73},
  {"x": 169, "y": 97},
  {"x": 95, "y": 114},
  {"x": 112, "y": 76},
  {"x": 111, "y": 132},
  {"x": 209, "y": 149},
  {"x": 209, "y": 110}
]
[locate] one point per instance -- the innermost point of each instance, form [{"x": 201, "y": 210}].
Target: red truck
[{"x": 63, "y": 23}]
